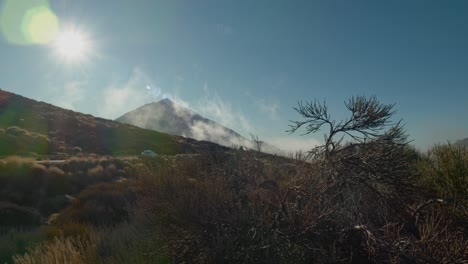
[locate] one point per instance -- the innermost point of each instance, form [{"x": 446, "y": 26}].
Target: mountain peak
[
  {"x": 166, "y": 101},
  {"x": 176, "y": 119}
]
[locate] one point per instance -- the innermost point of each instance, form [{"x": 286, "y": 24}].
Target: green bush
[{"x": 444, "y": 170}]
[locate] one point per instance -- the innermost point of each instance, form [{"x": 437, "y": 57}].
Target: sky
[{"x": 245, "y": 63}]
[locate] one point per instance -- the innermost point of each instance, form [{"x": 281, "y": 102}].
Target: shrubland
[
  {"x": 33, "y": 191},
  {"x": 244, "y": 206},
  {"x": 372, "y": 199}
]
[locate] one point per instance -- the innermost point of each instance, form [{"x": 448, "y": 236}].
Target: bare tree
[
  {"x": 369, "y": 120},
  {"x": 372, "y": 173},
  {"x": 257, "y": 143}
]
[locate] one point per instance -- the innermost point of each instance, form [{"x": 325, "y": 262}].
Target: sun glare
[{"x": 72, "y": 45}]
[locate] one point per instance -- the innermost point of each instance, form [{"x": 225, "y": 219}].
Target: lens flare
[
  {"x": 26, "y": 22},
  {"x": 40, "y": 25}
]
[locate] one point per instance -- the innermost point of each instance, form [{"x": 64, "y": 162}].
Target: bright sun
[{"x": 72, "y": 45}]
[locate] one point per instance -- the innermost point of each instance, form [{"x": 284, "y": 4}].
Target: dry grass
[
  {"x": 73, "y": 250},
  {"x": 126, "y": 243},
  {"x": 17, "y": 241},
  {"x": 361, "y": 206}
]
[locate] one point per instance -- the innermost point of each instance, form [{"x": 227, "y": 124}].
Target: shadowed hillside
[{"x": 28, "y": 126}]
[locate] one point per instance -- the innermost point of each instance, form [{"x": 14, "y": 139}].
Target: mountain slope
[
  {"x": 168, "y": 117},
  {"x": 462, "y": 142},
  {"x": 27, "y": 125}
]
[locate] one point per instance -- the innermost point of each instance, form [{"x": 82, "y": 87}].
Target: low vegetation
[
  {"x": 444, "y": 171},
  {"x": 373, "y": 199}
]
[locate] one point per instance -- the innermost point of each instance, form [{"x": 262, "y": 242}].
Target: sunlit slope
[{"x": 30, "y": 126}]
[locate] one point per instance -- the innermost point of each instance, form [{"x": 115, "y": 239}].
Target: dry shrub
[
  {"x": 226, "y": 207},
  {"x": 52, "y": 204},
  {"x": 103, "y": 204},
  {"x": 358, "y": 205},
  {"x": 442, "y": 241},
  {"x": 15, "y": 166},
  {"x": 16, "y": 131},
  {"x": 79, "y": 163},
  {"x": 77, "y": 150},
  {"x": 125, "y": 243},
  {"x": 97, "y": 171},
  {"x": 20, "y": 181},
  {"x": 44, "y": 185},
  {"x": 57, "y": 182},
  {"x": 15, "y": 215},
  {"x": 373, "y": 183},
  {"x": 437, "y": 237},
  {"x": 111, "y": 170},
  {"x": 66, "y": 230},
  {"x": 135, "y": 241},
  {"x": 38, "y": 172},
  {"x": 56, "y": 171},
  {"x": 77, "y": 249}
]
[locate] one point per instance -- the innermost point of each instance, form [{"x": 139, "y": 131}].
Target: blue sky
[{"x": 245, "y": 64}]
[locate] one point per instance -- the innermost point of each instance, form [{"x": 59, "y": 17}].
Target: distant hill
[
  {"x": 462, "y": 142},
  {"x": 169, "y": 117},
  {"x": 28, "y": 126}
]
